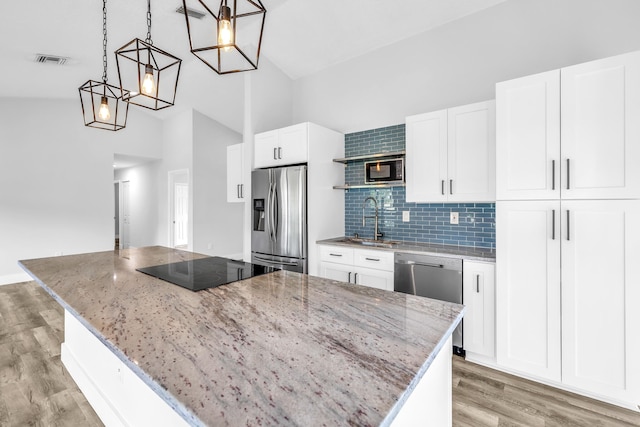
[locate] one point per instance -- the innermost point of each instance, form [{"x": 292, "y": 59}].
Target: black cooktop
[{"x": 204, "y": 273}]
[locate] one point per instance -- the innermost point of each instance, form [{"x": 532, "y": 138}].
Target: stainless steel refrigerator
[{"x": 279, "y": 218}]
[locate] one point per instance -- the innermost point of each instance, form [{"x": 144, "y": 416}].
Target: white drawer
[
  {"x": 380, "y": 260},
  {"x": 337, "y": 254}
]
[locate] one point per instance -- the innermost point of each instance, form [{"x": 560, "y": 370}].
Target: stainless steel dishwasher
[{"x": 432, "y": 277}]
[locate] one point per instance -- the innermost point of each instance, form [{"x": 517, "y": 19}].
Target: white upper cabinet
[
  {"x": 472, "y": 153},
  {"x": 280, "y": 147},
  {"x": 235, "y": 183},
  {"x": 571, "y": 133},
  {"x": 451, "y": 155},
  {"x": 528, "y": 138},
  {"x": 426, "y": 157},
  {"x": 601, "y": 129}
]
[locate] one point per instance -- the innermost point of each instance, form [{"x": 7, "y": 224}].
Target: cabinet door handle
[
  {"x": 242, "y": 191},
  {"x": 553, "y": 174},
  {"x": 355, "y": 279},
  {"x": 373, "y": 259},
  {"x": 477, "y": 283},
  {"x": 442, "y": 187},
  {"x": 349, "y": 278},
  {"x": 553, "y": 224},
  {"x": 568, "y": 226},
  {"x": 275, "y": 155},
  {"x": 568, "y": 174},
  {"x": 450, "y": 186},
  {"x": 279, "y": 152},
  {"x": 238, "y": 190},
  {"x": 335, "y": 255}
]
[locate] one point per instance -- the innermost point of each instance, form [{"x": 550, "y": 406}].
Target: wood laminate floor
[{"x": 36, "y": 390}]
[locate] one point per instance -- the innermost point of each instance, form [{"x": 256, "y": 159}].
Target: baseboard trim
[{"x": 492, "y": 364}]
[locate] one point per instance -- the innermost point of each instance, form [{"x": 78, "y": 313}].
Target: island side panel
[
  {"x": 115, "y": 392},
  {"x": 430, "y": 402}
]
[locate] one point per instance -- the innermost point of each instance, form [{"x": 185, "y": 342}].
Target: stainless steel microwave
[{"x": 384, "y": 171}]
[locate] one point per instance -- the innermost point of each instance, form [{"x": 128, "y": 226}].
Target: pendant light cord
[
  {"x": 148, "y": 40},
  {"x": 104, "y": 41}
]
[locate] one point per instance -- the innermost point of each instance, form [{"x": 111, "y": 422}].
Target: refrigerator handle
[
  {"x": 276, "y": 214},
  {"x": 272, "y": 236}
]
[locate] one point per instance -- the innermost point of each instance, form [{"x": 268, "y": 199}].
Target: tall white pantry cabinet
[{"x": 568, "y": 228}]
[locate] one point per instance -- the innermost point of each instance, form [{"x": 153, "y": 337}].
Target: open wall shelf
[{"x": 370, "y": 156}]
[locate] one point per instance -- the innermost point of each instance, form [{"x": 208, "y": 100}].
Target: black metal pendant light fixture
[
  {"x": 228, "y": 38},
  {"x": 148, "y": 75},
  {"x": 102, "y": 104}
]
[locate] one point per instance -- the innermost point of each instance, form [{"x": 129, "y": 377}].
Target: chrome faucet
[{"x": 376, "y": 233}]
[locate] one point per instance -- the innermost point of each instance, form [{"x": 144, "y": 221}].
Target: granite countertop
[
  {"x": 468, "y": 253},
  {"x": 282, "y": 348}
]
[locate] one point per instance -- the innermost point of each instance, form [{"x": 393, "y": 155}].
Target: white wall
[
  {"x": 177, "y": 154},
  {"x": 143, "y": 202},
  {"x": 271, "y": 98},
  {"x": 56, "y": 179},
  {"x": 217, "y": 225},
  {"x": 460, "y": 62}
]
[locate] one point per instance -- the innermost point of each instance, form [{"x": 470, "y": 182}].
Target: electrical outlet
[
  {"x": 406, "y": 216},
  {"x": 453, "y": 218}
]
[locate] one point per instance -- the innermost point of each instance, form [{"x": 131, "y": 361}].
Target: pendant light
[
  {"x": 228, "y": 38},
  {"x": 102, "y": 105},
  {"x": 148, "y": 75}
]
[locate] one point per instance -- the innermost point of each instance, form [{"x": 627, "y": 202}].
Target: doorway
[
  {"x": 179, "y": 209},
  {"x": 122, "y": 215}
]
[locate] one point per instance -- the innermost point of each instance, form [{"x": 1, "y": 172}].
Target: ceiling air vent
[
  {"x": 50, "y": 59},
  {"x": 192, "y": 13}
]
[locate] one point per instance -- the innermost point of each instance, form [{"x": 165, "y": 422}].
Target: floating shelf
[
  {"x": 370, "y": 156},
  {"x": 349, "y": 187}
]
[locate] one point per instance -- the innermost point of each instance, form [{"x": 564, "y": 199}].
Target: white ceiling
[{"x": 301, "y": 37}]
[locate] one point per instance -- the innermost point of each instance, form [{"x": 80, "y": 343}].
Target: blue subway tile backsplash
[{"x": 429, "y": 222}]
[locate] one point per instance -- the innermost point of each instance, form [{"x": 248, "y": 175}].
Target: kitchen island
[{"x": 282, "y": 348}]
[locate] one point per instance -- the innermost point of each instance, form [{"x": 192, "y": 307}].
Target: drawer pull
[
  {"x": 335, "y": 255},
  {"x": 373, "y": 259}
]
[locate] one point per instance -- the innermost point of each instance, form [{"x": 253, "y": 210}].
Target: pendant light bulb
[
  {"x": 225, "y": 33},
  {"x": 148, "y": 85},
  {"x": 104, "y": 112}
]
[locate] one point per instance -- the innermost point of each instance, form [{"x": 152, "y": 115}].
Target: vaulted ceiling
[{"x": 301, "y": 37}]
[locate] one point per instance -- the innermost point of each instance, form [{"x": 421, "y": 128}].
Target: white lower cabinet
[
  {"x": 601, "y": 298},
  {"x": 478, "y": 290},
  {"x": 528, "y": 287},
  {"x": 365, "y": 267},
  {"x": 568, "y": 291}
]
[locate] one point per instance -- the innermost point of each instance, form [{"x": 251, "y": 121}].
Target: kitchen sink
[{"x": 370, "y": 242}]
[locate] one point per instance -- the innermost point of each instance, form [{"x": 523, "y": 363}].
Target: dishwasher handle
[{"x": 421, "y": 264}]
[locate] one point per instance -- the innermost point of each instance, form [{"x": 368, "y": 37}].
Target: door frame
[
  {"x": 171, "y": 205},
  {"x": 121, "y": 212}
]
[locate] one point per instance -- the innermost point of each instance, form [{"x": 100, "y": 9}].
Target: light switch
[
  {"x": 453, "y": 219},
  {"x": 406, "y": 216}
]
